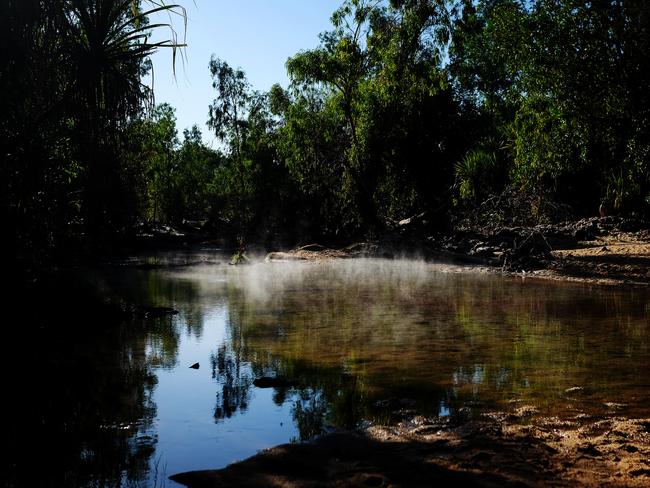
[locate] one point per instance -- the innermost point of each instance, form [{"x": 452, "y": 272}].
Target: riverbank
[
  {"x": 611, "y": 251},
  {"x": 495, "y": 450}
]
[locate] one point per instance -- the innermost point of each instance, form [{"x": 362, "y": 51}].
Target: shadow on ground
[{"x": 346, "y": 459}]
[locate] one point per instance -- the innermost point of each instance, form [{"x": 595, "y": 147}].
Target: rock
[{"x": 269, "y": 382}]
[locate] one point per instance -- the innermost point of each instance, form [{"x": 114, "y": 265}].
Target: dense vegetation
[{"x": 405, "y": 107}]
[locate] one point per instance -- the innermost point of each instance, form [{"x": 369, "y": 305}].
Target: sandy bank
[{"x": 497, "y": 449}]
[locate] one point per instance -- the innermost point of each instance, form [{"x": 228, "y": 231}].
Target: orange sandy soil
[
  {"x": 621, "y": 258},
  {"x": 496, "y": 450},
  {"x": 618, "y": 259}
]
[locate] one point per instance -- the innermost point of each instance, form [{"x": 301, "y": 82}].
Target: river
[{"x": 354, "y": 339}]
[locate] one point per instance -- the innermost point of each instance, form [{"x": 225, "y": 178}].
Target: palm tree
[
  {"x": 71, "y": 78},
  {"x": 109, "y": 43},
  {"x": 110, "y": 46}
]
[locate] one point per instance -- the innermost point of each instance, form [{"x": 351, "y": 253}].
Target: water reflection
[
  {"x": 358, "y": 340},
  {"x": 235, "y": 381},
  {"x": 355, "y": 333},
  {"x": 84, "y": 415}
]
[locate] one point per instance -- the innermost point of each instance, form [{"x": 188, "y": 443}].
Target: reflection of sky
[{"x": 188, "y": 436}]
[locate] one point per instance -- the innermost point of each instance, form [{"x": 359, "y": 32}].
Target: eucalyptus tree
[
  {"x": 230, "y": 117},
  {"x": 341, "y": 64},
  {"x": 411, "y": 120},
  {"x": 382, "y": 66},
  {"x": 229, "y": 110},
  {"x": 312, "y": 142}
]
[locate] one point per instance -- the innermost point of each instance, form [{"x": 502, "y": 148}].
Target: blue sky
[{"x": 256, "y": 35}]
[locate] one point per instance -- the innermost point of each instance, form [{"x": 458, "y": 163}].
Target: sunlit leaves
[{"x": 228, "y": 111}]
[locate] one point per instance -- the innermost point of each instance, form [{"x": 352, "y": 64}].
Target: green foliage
[
  {"x": 562, "y": 80},
  {"x": 175, "y": 178},
  {"x": 378, "y": 72},
  {"x": 472, "y": 172},
  {"x": 404, "y": 107},
  {"x": 232, "y": 116},
  {"x": 71, "y": 86},
  {"x": 312, "y": 142}
]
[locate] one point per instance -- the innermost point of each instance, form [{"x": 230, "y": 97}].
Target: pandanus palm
[{"x": 109, "y": 45}]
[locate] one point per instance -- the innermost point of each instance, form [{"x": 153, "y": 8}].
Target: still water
[{"x": 122, "y": 407}]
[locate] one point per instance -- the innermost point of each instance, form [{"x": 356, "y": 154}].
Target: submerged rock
[{"x": 269, "y": 382}]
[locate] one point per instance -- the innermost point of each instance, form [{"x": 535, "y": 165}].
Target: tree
[
  {"x": 71, "y": 86},
  {"x": 229, "y": 116},
  {"x": 410, "y": 122},
  {"x": 155, "y": 142},
  {"x": 341, "y": 64},
  {"x": 380, "y": 69},
  {"x": 196, "y": 165},
  {"x": 109, "y": 46},
  {"x": 560, "y": 80},
  {"x": 312, "y": 143}
]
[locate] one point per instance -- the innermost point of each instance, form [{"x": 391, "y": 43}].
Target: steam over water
[{"x": 355, "y": 339}]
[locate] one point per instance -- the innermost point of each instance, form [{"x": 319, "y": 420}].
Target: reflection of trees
[
  {"x": 309, "y": 412},
  {"x": 537, "y": 339},
  {"x": 158, "y": 288},
  {"x": 162, "y": 342},
  {"x": 322, "y": 394},
  {"x": 445, "y": 340},
  {"x": 81, "y": 403},
  {"x": 87, "y": 421},
  {"x": 235, "y": 380}
]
